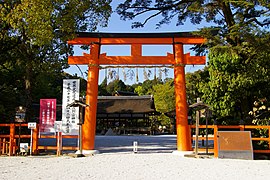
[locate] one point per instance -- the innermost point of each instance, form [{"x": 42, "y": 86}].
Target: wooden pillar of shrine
[
  {"x": 89, "y": 126},
  {"x": 182, "y": 128}
]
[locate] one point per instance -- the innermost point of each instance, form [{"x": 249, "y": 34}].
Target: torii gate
[{"x": 178, "y": 59}]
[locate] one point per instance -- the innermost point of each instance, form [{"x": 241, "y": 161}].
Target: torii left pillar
[{"x": 89, "y": 126}]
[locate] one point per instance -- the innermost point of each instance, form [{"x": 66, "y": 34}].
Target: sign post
[
  {"x": 32, "y": 126},
  {"x": 81, "y": 106},
  {"x": 58, "y": 127},
  {"x": 20, "y": 117}
]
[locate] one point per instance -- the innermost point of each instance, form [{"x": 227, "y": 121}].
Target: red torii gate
[{"x": 178, "y": 59}]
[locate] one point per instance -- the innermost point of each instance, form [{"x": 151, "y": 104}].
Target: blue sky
[{"x": 119, "y": 26}]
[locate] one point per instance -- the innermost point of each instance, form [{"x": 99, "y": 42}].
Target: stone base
[
  {"x": 87, "y": 152},
  {"x": 183, "y": 153}
]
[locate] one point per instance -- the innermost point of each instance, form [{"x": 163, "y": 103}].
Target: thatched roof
[{"x": 125, "y": 104}]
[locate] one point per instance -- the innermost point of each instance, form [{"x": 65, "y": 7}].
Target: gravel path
[
  {"x": 117, "y": 161},
  {"x": 130, "y": 166}
]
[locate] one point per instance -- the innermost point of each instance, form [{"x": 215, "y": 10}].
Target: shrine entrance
[{"x": 177, "y": 59}]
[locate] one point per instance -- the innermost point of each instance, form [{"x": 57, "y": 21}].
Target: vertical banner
[
  {"x": 70, "y": 115},
  {"x": 47, "y": 115}
]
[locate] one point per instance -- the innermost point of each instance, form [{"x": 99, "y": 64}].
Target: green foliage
[
  {"x": 33, "y": 49},
  {"x": 102, "y": 91},
  {"x": 38, "y": 20},
  {"x": 164, "y": 96},
  {"x": 237, "y": 76},
  {"x": 146, "y": 88},
  {"x": 193, "y": 82},
  {"x": 233, "y": 19},
  {"x": 117, "y": 85}
]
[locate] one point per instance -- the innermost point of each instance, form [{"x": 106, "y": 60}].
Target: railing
[
  {"x": 8, "y": 145},
  {"x": 59, "y": 147},
  {"x": 8, "y": 141},
  {"x": 216, "y": 128}
]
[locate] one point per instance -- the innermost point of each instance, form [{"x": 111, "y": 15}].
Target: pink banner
[{"x": 47, "y": 115}]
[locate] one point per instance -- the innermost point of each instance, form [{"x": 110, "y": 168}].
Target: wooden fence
[
  {"x": 9, "y": 146},
  {"x": 8, "y": 142},
  {"x": 216, "y": 128}
]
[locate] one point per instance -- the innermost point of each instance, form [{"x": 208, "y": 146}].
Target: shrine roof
[{"x": 125, "y": 104}]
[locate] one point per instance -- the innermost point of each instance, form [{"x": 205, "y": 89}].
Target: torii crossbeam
[{"x": 178, "y": 59}]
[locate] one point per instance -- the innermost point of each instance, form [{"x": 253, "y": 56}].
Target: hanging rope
[
  {"x": 137, "y": 75},
  {"x": 147, "y": 72},
  {"x": 124, "y": 74},
  {"x": 136, "y": 66}
]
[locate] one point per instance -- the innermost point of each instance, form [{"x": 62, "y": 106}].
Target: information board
[
  {"x": 47, "y": 115},
  {"x": 235, "y": 145},
  {"x": 70, "y": 115}
]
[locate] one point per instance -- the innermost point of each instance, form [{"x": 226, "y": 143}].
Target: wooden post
[
  {"x": 35, "y": 140},
  {"x": 215, "y": 141},
  {"x": 182, "y": 129},
  {"x": 268, "y": 137},
  {"x": 4, "y": 146},
  {"x": 14, "y": 147},
  {"x": 242, "y": 127},
  {"x": 1, "y": 145},
  {"x": 197, "y": 132},
  {"x": 89, "y": 126},
  {"x": 59, "y": 143},
  {"x": 11, "y": 139}
]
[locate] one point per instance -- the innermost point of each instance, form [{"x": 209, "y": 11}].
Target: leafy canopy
[{"x": 234, "y": 19}]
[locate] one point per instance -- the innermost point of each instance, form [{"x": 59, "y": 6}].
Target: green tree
[
  {"x": 102, "y": 91},
  {"x": 164, "y": 101},
  {"x": 236, "y": 82},
  {"x": 238, "y": 51},
  {"x": 116, "y": 85},
  {"x": 35, "y": 32},
  {"x": 164, "y": 96},
  {"x": 146, "y": 88},
  {"x": 193, "y": 84},
  {"x": 235, "y": 19}
]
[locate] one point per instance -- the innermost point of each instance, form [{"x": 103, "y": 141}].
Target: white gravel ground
[
  {"x": 155, "y": 161},
  {"x": 131, "y": 166}
]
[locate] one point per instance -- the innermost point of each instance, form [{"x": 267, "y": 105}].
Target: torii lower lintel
[
  {"x": 135, "y": 60},
  {"x": 178, "y": 59}
]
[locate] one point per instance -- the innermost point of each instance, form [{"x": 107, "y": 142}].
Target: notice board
[{"x": 235, "y": 145}]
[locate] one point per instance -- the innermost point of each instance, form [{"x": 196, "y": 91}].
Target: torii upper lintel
[{"x": 136, "y": 40}]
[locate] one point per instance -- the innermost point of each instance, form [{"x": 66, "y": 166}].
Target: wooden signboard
[{"x": 235, "y": 145}]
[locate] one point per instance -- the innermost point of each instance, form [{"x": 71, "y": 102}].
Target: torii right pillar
[{"x": 182, "y": 127}]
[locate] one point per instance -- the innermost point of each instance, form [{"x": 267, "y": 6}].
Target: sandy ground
[{"x": 154, "y": 160}]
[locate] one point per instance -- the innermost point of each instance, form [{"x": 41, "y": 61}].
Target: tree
[
  {"x": 116, "y": 85},
  {"x": 36, "y": 32},
  {"x": 235, "y": 19},
  {"x": 193, "y": 84},
  {"x": 236, "y": 82},
  {"x": 237, "y": 52},
  {"x": 102, "y": 91},
  {"x": 164, "y": 96},
  {"x": 146, "y": 88}
]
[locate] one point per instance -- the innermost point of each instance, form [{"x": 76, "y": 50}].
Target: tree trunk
[{"x": 28, "y": 89}]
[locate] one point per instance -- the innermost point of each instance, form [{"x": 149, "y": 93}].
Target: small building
[{"x": 125, "y": 114}]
